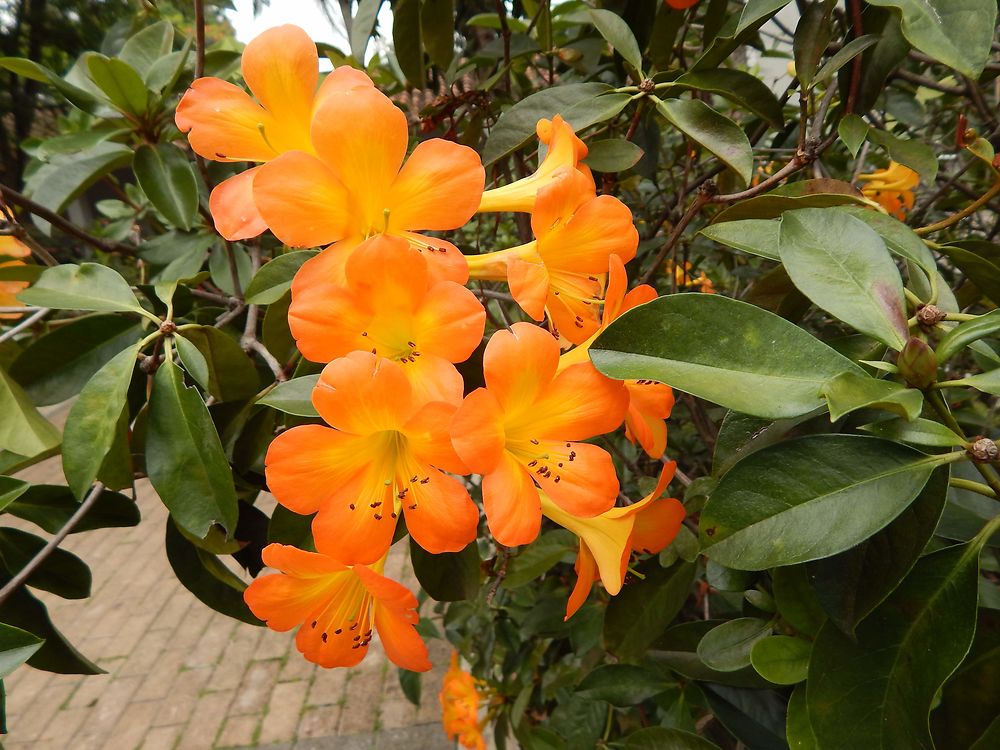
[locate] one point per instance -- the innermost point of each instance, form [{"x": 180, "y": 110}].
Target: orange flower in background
[
  {"x": 681, "y": 4},
  {"x": 562, "y": 271},
  {"x": 564, "y": 150},
  {"x": 337, "y": 608},
  {"x": 607, "y": 541},
  {"x": 223, "y": 123},
  {"x": 390, "y": 306},
  {"x": 892, "y": 188},
  {"x": 11, "y": 247},
  {"x": 650, "y": 403},
  {"x": 520, "y": 431},
  {"x": 381, "y": 456},
  {"x": 684, "y": 280},
  {"x": 356, "y": 185},
  {"x": 460, "y": 707}
]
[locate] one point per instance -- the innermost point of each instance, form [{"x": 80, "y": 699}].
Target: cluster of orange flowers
[
  {"x": 460, "y": 698},
  {"x": 892, "y": 188},
  {"x": 12, "y": 250},
  {"x": 387, "y": 309}
]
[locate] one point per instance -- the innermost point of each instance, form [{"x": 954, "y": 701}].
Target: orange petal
[
  {"x": 518, "y": 364},
  {"x": 649, "y": 405},
  {"x": 339, "y": 80},
  {"x": 324, "y": 272},
  {"x": 363, "y": 394},
  {"x": 327, "y": 320},
  {"x": 580, "y": 403},
  {"x": 510, "y": 499},
  {"x": 285, "y": 601},
  {"x": 529, "y": 285},
  {"x": 445, "y": 519},
  {"x": 302, "y": 201},
  {"x": 438, "y": 188},
  {"x": 656, "y": 525},
  {"x": 640, "y": 295},
  {"x": 572, "y": 304},
  {"x": 433, "y": 378},
  {"x": 12, "y": 247},
  {"x": 477, "y": 431},
  {"x": 615, "y": 294},
  {"x": 449, "y": 322},
  {"x": 388, "y": 270},
  {"x": 566, "y": 191},
  {"x": 445, "y": 262},
  {"x": 427, "y": 435},
  {"x": 395, "y": 618},
  {"x": 581, "y": 477},
  {"x": 599, "y": 228},
  {"x": 354, "y": 531},
  {"x": 223, "y": 123},
  {"x": 586, "y": 574},
  {"x": 232, "y": 207}
]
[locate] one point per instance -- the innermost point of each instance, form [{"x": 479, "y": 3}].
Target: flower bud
[{"x": 917, "y": 363}]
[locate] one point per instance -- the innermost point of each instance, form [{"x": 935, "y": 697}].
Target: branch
[
  {"x": 199, "y": 35},
  {"x": 25, "y": 324}
]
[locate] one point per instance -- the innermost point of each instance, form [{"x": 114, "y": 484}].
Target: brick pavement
[{"x": 183, "y": 677}]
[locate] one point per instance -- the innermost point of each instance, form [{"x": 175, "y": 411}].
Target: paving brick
[
  {"x": 283, "y": 711},
  {"x": 32, "y": 723},
  {"x": 206, "y": 721},
  {"x": 362, "y": 705},
  {"x": 296, "y": 667},
  {"x": 63, "y": 726},
  {"x": 327, "y": 688},
  {"x": 162, "y": 738},
  {"x": 320, "y": 721},
  {"x": 253, "y": 693},
  {"x": 238, "y": 731},
  {"x": 133, "y": 725},
  {"x": 397, "y": 712}
]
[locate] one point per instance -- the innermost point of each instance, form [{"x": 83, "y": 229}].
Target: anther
[
  {"x": 352, "y": 506},
  {"x": 378, "y": 517},
  {"x": 324, "y": 637},
  {"x": 313, "y": 623},
  {"x": 338, "y": 631},
  {"x": 413, "y": 507},
  {"x": 534, "y": 442}
]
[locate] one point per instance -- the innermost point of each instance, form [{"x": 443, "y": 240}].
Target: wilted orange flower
[
  {"x": 381, "y": 455},
  {"x": 891, "y": 188},
  {"x": 562, "y": 271},
  {"x": 564, "y": 150},
  {"x": 357, "y": 185},
  {"x": 607, "y": 540},
  {"x": 650, "y": 403},
  {"x": 520, "y": 430},
  {"x": 460, "y": 707},
  {"x": 223, "y": 123},
  {"x": 390, "y": 306},
  {"x": 337, "y": 608},
  {"x": 11, "y": 247}
]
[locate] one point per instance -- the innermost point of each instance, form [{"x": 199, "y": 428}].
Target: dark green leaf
[
  {"x": 407, "y": 40},
  {"x": 220, "y": 266},
  {"x": 798, "y": 730},
  {"x": 410, "y": 684},
  {"x": 50, "y": 506},
  {"x": 167, "y": 178},
  {"x": 755, "y": 717},
  {"x": 964, "y": 334},
  {"x": 917, "y": 156},
  {"x": 621, "y": 684},
  {"x": 714, "y": 131},
  {"x": 812, "y": 35},
  {"x": 293, "y": 396},
  {"x": 664, "y": 738},
  {"x": 10, "y": 490},
  {"x": 275, "y": 278},
  {"x": 63, "y": 178},
  {"x": 24, "y": 611},
  {"x": 726, "y": 647},
  {"x": 437, "y": 29},
  {"x": 853, "y": 131},
  {"x": 676, "y": 651},
  {"x": 969, "y": 703},
  {"x": 613, "y": 155},
  {"x": 447, "y": 577},
  {"x": 736, "y": 30},
  {"x": 981, "y": 270},
  {"x": 781, "y": 659},
  {"x": 617, "y": 33},
  {"x": 120, "y": 82},
  {"x": 16, "y": 647},
  {"x": 22, "y": 430},
  {"x": 228, "y": 373},
  {"x": 849, "y": 392},
  {"x": 184, "y": 458},
  {"x": 148, "y": 45},
  {"x": 75, "y": 95},
  {"x": 738, "y": 86},
  {"x": 755, "y": 236},
  {"x": 89, "y": 286},
  {"x": 61, "y": 572},
  {"x": 740, "y": 435},
  {"x": 796, "y": 599},
  {"x": 843, "y": 56},
  {"x": 291, "y": 528},
  {"x": 538, "y": 557},
  {"x": 918, "y": 432}
]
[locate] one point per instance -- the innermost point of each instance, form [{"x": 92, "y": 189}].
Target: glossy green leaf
[
  {"x": 843, "y": 56},
  {"x": 812, "y": 35},
  {"x": 676, "y": 651},
  {"x": 736, "y": 30},
  {"x": 982, "y": 270},
  {"x": 49, "y": 506},
  {"x": 918, "y": 431},
  {"x": 539, "y": 557},
  {"x": 167, "y": 178},
  {"x": 437, "y": 29},
  {"x": 755, "y": 236},
  {"x": 63, "y": 178},
  {"x": 184, "y": 458},
  {"x": 224, "y": 369},
  {"x": 843, "y": 266},
  {"x": 913, "y": 154},
  {"x": 716, "y": 132},
  {"x": 740, "y": 87},
  {"x": 781, "y": 659},
  {"x": 407, "y": 40},
  {"x": 853, "y": 131},
  {"x": 88, "y": 286},
  {"x": 613, "y": 155},
  {"x": 220, "y": 266},
  {"x": 722, "y": 350},
  {"x": 362, "y": 26},
  {"x": 956, "y": 32},
  {"x": 617, "y": 33},
  {"x": 10, "y": 490},
  {"x": 447, "y": 577},
  {"x": 275, "y": 277},
  {"x": 809, "y": 498},
  {"x": 876, "y": 692},
  {"x": 664, "y": 738},
  {"x": 796, "y": 600},
  {"x": 798, "y": 730},
  {"x": 91, "y": 424},
  {"x": 987, "y": 382},
  {"x": 812, "y": 194},
  {"x": 969, "y": 706},
  {"x": 121, "y": 83},
  {"x": 61, "y": 573},
  {"x": 23, "y": 430},
  {"x": 293, "y": 396},
  {"x": 899, "y": 238},
  {"x": 145, "y": 47},
  {"x": 291, "y": 528},
  {"x": 849, "y": 392},
  {"x": 726, "y": 647},
  {"x": 621, "y": 684},
  {"x": 16, "y": 647},
  {"x": 755, "y": 717},
  {"x": 410, "y": 684},
  {"x": 78, "y": 97},
  {"x": 740, "y": 435},
  {"x": 964, "y": 334},
  {"x": 23, "y": 610}
]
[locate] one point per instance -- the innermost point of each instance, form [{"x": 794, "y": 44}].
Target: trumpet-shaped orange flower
[
  {"x": 337, "y": 608},
  {"x": 11, "y": 247},
  {"x": 390, "y": 306},
  {"x": 381, "y": 456},
  {"x": 892, "y": 188},
  {"x": 607, "y": 541},
  {"x": 223, "y": 123},
  {"x": 564, "y": 150},
  {"x": 460, "y": 707},
  {"x": 562, "y": 271},
  {"x": 520, "y": 431},
  {"x": 356, "y": 185},
  {"x": 650, "y": 403}
]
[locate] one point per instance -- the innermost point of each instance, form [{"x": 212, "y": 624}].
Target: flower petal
[
  {"x": 518, "y": 364},
  {"x": 232, "y": 207},
  {"x": 324, "y": 272},
  {"x": 433, "y": 378},
  {"x": 355, "y": 531},
  {"x": 656, "y": 525},
  {"x": 427, "y": 435},
  {"x": 438, "y": 188},
  {"x": 572, "y": 304},
  {"x": 440, "y": 515},
  {"x": 285, "y": 600},
  {"x": 566, "y": 191},
  {"x": 327, "y": 320},
  {"x": 579, "y": 404},
  {"x": 449, "y": 322},
  {"x": 445, "y": 262},
  {"x": 599, "y": 228},
  {"x": 529, "y": 285},
  {"x": 477, "y": 431},
  {"x": 649, "y": 405},
  {"x": 395, "y": 618},
  {"x": 223, "y": 123},
  {"x": 510, "y": 499},
  {"x": 580, "y": 478},
  {"x": 339, "y": 80},
  {"x": 363, "y": 394},
  {"x": 586, "y": 574}
]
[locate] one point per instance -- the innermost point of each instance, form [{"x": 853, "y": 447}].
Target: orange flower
[
  {"x": 562, "y": 271},
  {"x": 380, "y": 456},
  {"x": 357, "y": 185},
  {"x": 337, "y": 608},
  {"x": 224, "y": 124},
  {"x": 891, "y": 188},
  {"x": 650, "y": 403},
  {"x": 684, "y": 280},
  {"x": 564, "y": 150},
  {"x": 520, "y": 430},
  {"x": 11, "y": 247},
  {"x": 607, "y": 541},
  {"x": 390, "y": 306},
  {"x": 460, "y": 707}
]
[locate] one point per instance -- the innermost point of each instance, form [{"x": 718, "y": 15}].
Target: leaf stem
[
  {"x": 937, "y": 402},
  {"x": 977, "y": 487},
  {"x": 959, "y": 215}
]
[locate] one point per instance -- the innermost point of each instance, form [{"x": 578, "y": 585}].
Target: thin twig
[
  {"x": 199, "y": 34},
  {"x": 269, "y": 359},
  {"x": 24, "y": 324}
]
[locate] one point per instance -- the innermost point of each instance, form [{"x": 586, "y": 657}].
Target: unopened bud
[
  {"x": 984, "y": 449},
  {"x": 648, "y": 86},
  {"x": 930, "y": 315},
  {"x": 168, "y": 327},
  {"x": 917, "y": 363}
]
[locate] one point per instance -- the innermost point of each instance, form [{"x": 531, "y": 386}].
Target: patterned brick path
[{"x": 182, "y": 677}]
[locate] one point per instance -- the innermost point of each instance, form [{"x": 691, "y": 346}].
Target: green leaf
[
  {"x": 613, "y": 155},
  {"x": 410, "y": 684},
  {"x": 49, "y": 506},
  {"x": 91, "y": 424},
  {"x": 964, "y": 334},
  {"x": 61, "y": 573},
  {"x": 221, "y": 270},
  {"x": 447, "y": 577},
  {"x": 664, "y": 738},
  {"x": 755, "y": 236},
  {"x": 184, "y": 457},
  {"x": 969, "y": 706},
  {"x": 293, "y": 396},
  {"x": 740, "y": 435},
  {"x": 23, "y": 610},
  {"x": 843, "y": 56},
  {"x": 850, "y": 585},
  {"x": 617, "y": 33},
  {"x": 168, "y": 180},
  {"x": 796, "y": 600},
  {"x": 722, "y": 350},
  {"x": 89, "y": 286},
  {"x": 853, "y": 131},
  {"x": 291, "y": 528},
  {"x": 539, "y": 557},
  {"x": 676, "y": 650},
  {"x": 16, "y": 647},
  {"x": 849, "y": 392},
  {"x": 75, "y": 95},
  {"x": 982, "y": 271},
  {"x": 145, "y": 47},
  {"x": 726, "y": 647},
  {"x": 876, "y": 692},
  {"x": 121, "y": 83},
  {"x": 821, "y": 193},
  {"x": 362, "y": 26},
  {"x": 987, "y": 382},
  {"x": 22, "y": 430},
  {"x": 809, "y": 498},
  {"x": 739, "y": 87},
  {"x": 10, "y": 490},
  {"x": 898, "y": 237},
  {"x": 843, "y": 266},
  {"x": 406, "y": 40},
  {"x": 956, "y": 32},
  {"x": 275, "y": 277},
  {"x": 798, "y": 730},
  {"x": 736, "y": 30},
  {"x": 714, "y": 131},
  {"x": 516, "y": 126},
  {"x": 917, "y": 156},
  {"x": 224, "y": 369},
  {"x": 917, "y": 431},
  {"x": 437, "y": 29},
  {"x": 812, "y": 35},
  {"x": 781, "y": 659},
  {"x": 204, "y": 575},
  {"x": 622, "y": 684},
  {"x": 642, "y": 611}
]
